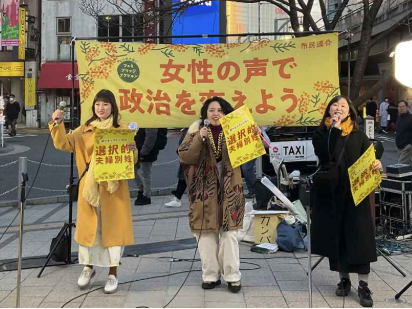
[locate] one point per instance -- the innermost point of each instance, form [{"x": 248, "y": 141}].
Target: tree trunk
[{"x": 378, "y": 86}]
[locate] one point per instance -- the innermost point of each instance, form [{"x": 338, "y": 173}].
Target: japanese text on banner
[
  {"x": 284, "y": 83},
  {"x": 113, "y": 160},
  {"x": 243, "y": 143},
  {"x": 363, "y": 178}
]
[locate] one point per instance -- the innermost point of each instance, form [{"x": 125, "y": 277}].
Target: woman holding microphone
[{"x": 104, "y": 219}]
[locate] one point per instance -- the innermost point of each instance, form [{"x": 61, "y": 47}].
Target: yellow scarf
[
  {"x": 346, "y": 126},
  {"x": 91, "y": 187}
]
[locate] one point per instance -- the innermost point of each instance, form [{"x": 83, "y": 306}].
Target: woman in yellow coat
[{"x": 104, "y": 219}]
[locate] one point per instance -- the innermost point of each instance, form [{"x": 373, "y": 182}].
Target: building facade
[{"x": 16, "y": 70}]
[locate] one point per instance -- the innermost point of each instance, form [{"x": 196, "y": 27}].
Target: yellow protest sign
[
  {"x": 113, "y": 160},
  {"x": 363, "y": 179},
  {"x": 243, "y": 144},
  {"x": 266, "y": 223},
  {"x": 284, "y": 83}
]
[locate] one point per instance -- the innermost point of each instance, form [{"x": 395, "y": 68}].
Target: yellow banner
[
  {"x": 22, "y": 33},
  {"x": 113, "y": 160},
  {"x": 284, "y": 83},
  {"x": 243, "y": 144},
  {"x": 363, "y": 179},
  {"x": 30, "y": 92},
  {"x": 8, "y": 69}
]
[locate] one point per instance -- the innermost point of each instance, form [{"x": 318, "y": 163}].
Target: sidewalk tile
[
  {"x": 25, "y": 302},
  {"x": 111, "y": 301},
  {"x": 261, "y": 291},
  {"x": 64, "y": 296},
  {"x": 223, "y": 304},
  {"x": 59, "y": 305},
  {"x": 152, "y": 299},
  {"x": 266, "y": 302},
  {"x": 194, "y": 291},
  {"x": 223, "y": 294},
  {"x": 186, "y": 302},
  {"x": 315, "y": 304}
]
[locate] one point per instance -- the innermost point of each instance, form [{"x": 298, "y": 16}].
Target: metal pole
[
  {"x": 349, "y": 58},
  {"x": 259, "y": 19},
  {"x": 22, "y": 169},
  {"x": 259, "y": 170},
  {"x": 23, "y": 175},
  {"x": 309, "y": 254}
]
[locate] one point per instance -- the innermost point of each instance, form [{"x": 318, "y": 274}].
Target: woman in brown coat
[
  {"x": 104, "y": 220},
  {"x": 215, "y": 196}
]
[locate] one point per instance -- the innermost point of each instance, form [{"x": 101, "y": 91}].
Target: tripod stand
[
  {"x": 66, "y": 229},
  {"x": 67, "y": 226},
  {"x": 377, "y": 250}
]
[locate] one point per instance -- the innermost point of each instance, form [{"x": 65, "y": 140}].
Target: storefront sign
[
  {"x": 8, "y": 69},
  {"x": 22, "y": 33},
  {"x": 30, "y": 92}
]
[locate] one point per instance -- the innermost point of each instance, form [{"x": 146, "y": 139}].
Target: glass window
[
  {"x": 63, "y": 25},
  {"x": 108, "y": 26}
]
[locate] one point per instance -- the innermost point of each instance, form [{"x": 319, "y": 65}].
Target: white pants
[{"x": 219, "y": 259}]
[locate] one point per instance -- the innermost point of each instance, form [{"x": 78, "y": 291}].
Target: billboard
[
  {"x": 9, "y": 22},
  {"x": 203, "y": 18}
]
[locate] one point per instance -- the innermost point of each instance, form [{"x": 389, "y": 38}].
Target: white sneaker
[
  {"x": 111, "y": 285},
  {"x": 85, "y": 277},
  {"x": 174, "y": 203}
]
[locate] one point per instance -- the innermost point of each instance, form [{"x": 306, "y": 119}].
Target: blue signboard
[{"x": 203, "y": 18}]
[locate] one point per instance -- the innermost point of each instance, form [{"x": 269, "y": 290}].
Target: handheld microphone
[
  {"x": 62, "y": 105},
  {"x": 206, "y": 123},
  {"x": 133, "y": 126},
  {"x": 334, "y": 121}
]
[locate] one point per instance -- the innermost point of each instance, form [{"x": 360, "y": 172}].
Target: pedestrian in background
[
  {"x": 148, "y": 151},
  {"x": 403, "y": 138},
  {"x": 383, "y": 116},
  {"x": 341, "y": 231},
  {"x": 12, "y": 111},
  {"x": 217, "y": 204},
  {"x": 181, "y": 184},
  {"x": 104, "y": 218}
]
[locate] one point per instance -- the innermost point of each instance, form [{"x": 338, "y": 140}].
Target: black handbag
[
  {"x": 327, "y": 177},
  {"x": 62, "y": 249},
  {"x": 73, "y": 190}
]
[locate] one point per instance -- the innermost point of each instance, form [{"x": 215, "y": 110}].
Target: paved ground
[{"x": 277, "y": 280}]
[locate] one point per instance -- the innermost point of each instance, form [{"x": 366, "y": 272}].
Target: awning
[{"x": 58, "y": 75}]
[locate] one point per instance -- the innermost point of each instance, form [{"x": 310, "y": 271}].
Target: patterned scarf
[
  {"x": 91, "y": 187},
  {"x": 346, "y": 126}
]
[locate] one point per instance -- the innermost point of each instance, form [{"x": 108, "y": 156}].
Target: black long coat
[{"x": 335, "y": 217}]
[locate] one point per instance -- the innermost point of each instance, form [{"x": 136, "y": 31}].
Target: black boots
[
  {"x": 365, "y": 294},
  {"x": 343, "y": 287},
  {"x": 210, "y": 285}
]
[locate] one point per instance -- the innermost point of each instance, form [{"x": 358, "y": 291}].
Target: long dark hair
[
  {"x": 225, "y": 105},
  {"x": 107, "y": 96},
  {"x": 352, "y": 111}
]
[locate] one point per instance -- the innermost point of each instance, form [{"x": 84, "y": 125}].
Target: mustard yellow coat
[{"x": 116, "y": 214}]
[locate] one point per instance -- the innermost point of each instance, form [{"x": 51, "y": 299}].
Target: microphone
[
  {"x": 206, "y": 123},
  {"x": 334, "y": 121},
  {"x": 133, "y": 126},
  {"x": 62, "y": 105}
]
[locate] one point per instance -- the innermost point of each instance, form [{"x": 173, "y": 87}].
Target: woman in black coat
[{"x": 342, "y": 231}]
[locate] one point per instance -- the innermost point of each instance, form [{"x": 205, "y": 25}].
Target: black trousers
[{"x": 180, "y": 189}]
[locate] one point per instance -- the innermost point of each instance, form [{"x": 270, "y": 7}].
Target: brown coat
[
  {"x": 218, "y": 201},
  {"x": 116, "y": 214}
]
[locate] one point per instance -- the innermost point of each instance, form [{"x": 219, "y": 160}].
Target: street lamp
[{"x": 403, "y": 63}]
